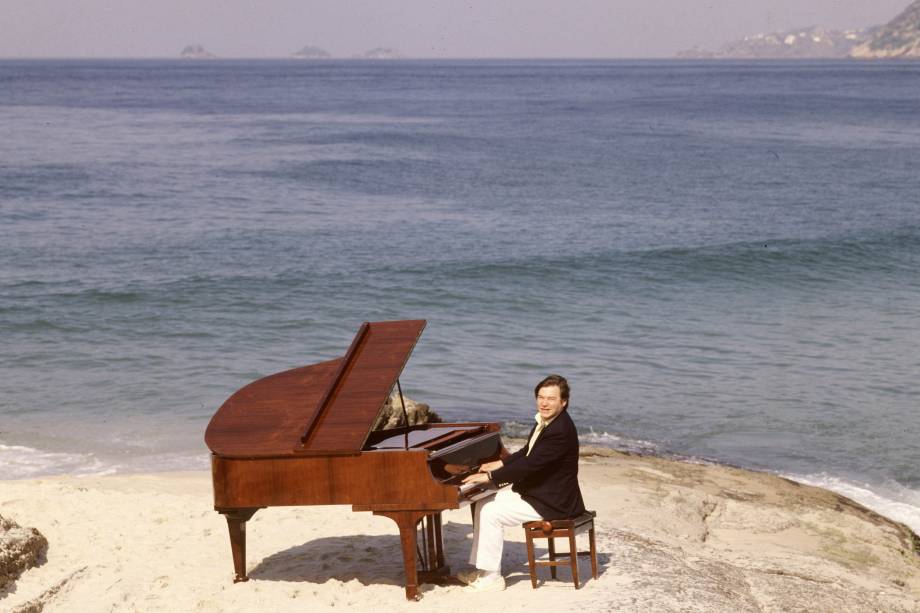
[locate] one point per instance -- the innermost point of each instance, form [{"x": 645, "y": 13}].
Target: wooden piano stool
[{"x": 561, "y": 528}]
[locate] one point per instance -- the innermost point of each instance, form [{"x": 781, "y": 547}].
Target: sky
[{"x": 416, "y": 28}]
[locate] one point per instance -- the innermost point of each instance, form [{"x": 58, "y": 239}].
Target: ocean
[{"x": 722, "y": 257}]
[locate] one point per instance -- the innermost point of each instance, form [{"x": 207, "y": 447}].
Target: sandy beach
[{"x": 672, "y": 536}]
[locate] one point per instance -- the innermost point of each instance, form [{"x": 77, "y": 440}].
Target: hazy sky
[{"x": 417, "y": 28}]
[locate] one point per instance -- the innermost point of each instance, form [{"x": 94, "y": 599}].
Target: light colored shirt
[{"x": 541, "y": 425}]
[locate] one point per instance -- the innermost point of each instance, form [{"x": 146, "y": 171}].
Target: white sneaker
[{"x": 488, "y": 583}]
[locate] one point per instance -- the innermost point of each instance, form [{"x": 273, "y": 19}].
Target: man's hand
[
  {"x": 477, "y": 478},
  {"x": 490, "y": 466}
]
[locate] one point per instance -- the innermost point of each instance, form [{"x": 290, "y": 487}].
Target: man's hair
[{"x": 558, "y": 381}]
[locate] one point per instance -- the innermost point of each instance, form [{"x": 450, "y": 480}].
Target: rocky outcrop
[
  {"x": 391, "y": 416},
  {"x": 380, "y": 53},
  {"x": 813, "y": 42},
  {"x": 20, "y": 549},
  {"x": 196, "y": 52},
  {"x": 710, "y": 538},
  {"x": 311, "y": 53},
  {"x": 899, "y": 38}
]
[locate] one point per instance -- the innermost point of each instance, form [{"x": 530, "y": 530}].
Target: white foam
[
  {"x": 606, "y": 439},
  {"x": 892, "y": 499},
  {"x": 19, "y": 462}
]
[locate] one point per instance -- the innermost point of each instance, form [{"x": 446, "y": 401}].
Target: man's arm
[
  {"x": 551, "y": 448},
  {"x": 490, "y": 466},
  {"x": 512, "y": 457},
  {"x": 486, "y": 469}
]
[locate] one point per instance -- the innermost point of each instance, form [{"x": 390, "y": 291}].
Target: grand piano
[{"x": 304, "y": 437}]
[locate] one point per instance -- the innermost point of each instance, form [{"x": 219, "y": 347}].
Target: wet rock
[{"x": 391, "y": 416}]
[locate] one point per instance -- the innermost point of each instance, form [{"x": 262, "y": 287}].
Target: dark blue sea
[{"x": 722, "y": 257}]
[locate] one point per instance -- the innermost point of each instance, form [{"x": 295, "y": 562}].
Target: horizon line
[{"x": 435, "y": 58}]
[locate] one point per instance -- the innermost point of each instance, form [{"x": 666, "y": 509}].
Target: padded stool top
[{"x": 547, "y": 526}]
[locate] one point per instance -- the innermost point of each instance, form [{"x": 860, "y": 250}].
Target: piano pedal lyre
[{"x": 431, "y": 551}]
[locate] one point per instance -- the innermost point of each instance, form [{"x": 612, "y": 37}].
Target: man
[{"x": 544, "y": 474}]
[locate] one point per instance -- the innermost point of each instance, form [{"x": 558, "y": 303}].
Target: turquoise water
[{"x": 722, "y": 257}]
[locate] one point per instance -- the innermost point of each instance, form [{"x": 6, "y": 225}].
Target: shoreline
[
  {"x": 671, "y": 536},
  {"x": 873, "y": 496}
]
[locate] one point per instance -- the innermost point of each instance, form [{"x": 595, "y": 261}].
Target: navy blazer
[{"x": 548, "y": 477}]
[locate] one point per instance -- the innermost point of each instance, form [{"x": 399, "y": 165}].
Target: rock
[
  {"x": 311, "y": 53},
  {"x": 391, "y": 416},
  {"x": 196, "y": 52},
  {"x": 20, "y": 549},
  {"x": 899, "y": 38}
]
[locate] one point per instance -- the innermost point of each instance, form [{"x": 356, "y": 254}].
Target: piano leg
[
  {"x": 407, "y": 521},
  {"x": 236, "y": 523}
]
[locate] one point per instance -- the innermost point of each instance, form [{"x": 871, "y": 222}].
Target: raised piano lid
[{"x": 321, "y": 409}]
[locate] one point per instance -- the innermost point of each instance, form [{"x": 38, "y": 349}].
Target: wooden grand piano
[{"x": 303, "y": 437}]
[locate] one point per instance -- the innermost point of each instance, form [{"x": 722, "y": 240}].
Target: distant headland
[
  {"x": 811, "y": 42},
  {"x": 899, "y": 38}
]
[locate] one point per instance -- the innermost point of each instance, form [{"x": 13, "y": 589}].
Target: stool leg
[
  {"x": 531, "y": 561},
  {"x": 573, "y": 556},
  {"x": 551, "y": 543},
  {"x": 593, "y": 552}
]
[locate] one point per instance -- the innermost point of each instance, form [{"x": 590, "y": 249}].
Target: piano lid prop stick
[{"x": 405, "y": 414}]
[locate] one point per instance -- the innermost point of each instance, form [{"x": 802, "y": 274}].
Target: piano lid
[{"x": 322, "y": 409}]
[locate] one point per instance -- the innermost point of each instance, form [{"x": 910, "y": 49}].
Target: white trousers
[{"x": 493, "y": 515}]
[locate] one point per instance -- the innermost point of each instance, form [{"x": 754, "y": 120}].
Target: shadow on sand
[{"x": 376, "y": 559}]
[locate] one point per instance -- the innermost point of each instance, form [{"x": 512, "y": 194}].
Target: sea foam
[
  {"x": 893, "y": 500},
  {"x": 19, "y": 462}
]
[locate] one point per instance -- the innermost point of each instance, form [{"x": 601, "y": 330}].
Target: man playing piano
[{"x": 544, "y": 478}]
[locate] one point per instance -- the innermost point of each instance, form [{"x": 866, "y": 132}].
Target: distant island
[
  {"x": 308, "y": 52},
  {"x": 311, "y": 53},
  {"x": 899, "y": 38},
  {"x": 196, "y": 52},
  {"x": 379, "y": 53}
]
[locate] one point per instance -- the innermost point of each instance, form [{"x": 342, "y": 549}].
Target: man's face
[{"x": 549, "y": 402}]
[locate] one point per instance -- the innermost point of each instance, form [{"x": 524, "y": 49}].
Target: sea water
[{"x": 722, "y": 257}]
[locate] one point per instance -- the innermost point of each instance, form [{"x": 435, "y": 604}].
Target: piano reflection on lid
[{"x": 303, "y": 437}]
